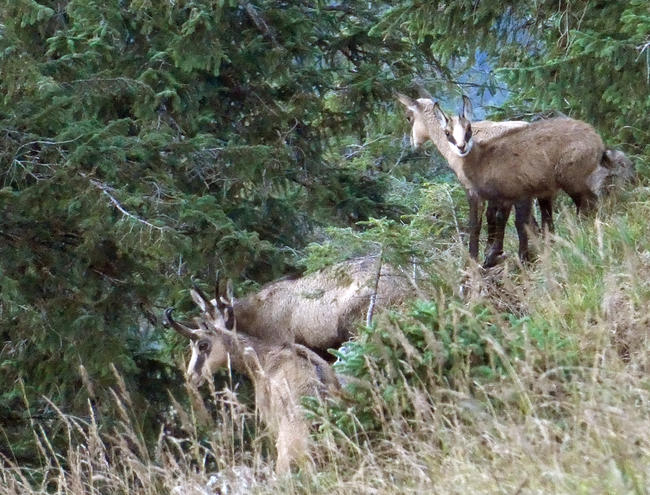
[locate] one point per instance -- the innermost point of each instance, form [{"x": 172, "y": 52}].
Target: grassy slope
[{"x": 567, "y": 412}]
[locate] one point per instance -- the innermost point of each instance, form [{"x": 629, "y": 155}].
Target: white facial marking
[
  {"x": 194, "y": 378},
  {"x": 468, "y": 148},
  {"x": 458, "y": 133}
]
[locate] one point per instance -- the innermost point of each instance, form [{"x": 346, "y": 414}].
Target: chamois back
[
  {"x": 537, "y": 160},
  {"x": 320, "y": 310}
]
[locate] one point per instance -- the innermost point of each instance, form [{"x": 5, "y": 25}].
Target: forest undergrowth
[{"x": 525, "y": 379}]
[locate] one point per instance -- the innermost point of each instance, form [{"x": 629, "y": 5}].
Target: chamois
[
  {"x": 424, "y": 127},
  {"x": 319, "y": 310},
  {"x": 281, "y": 374},
  {"x": 532, "y": 161}
]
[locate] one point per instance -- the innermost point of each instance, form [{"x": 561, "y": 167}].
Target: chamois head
[
  {"x": 212, "y": 341},
  {"x": 415, "y": 110},
  {"x": 217, "y": 312},
  {"x": 458, "y": 129}
]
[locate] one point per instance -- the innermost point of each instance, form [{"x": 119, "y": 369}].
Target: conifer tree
[{"x": 146, "y": 142}]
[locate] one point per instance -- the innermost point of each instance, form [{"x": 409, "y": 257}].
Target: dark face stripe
[
  {"x": 230, "y": 318},
  {"x": 319, "y": 372}
]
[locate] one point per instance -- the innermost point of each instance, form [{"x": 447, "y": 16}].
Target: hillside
[{"x": 146, "y": 145}]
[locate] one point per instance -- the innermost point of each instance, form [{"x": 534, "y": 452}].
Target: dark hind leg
[
  {"x": 491, "y": 221},
  {"x": 546, "y": 210},
  {"x": 589, "y": 203},
  {"x": 523, "y": 218},
  {"x": 577, "y": 200}
]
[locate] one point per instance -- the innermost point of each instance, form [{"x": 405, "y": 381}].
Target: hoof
[{"x": 494, "y": 259}]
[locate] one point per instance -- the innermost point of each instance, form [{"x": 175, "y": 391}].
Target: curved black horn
[{"x": 182, "y": 329}]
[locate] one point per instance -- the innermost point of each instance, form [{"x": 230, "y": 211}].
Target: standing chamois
[
  {"x": 532, "y": 161},
  {"x": 281, "y": 374},
  {"x": 424, "y": 127}
]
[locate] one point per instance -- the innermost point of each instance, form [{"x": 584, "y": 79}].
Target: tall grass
[{"x": 528, "y": 380}]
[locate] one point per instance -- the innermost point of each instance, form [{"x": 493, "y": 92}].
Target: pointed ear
[
  {"x": 228, "y": 310},
  {"x": 201, "y": 294},
  {"x": 199, "y": 301},
  {"x": 440, "y": 115},
  {"x": 217, "y": 291},
  {"x": 230, "y": 293},
  {"x": 409, "y": 103},
  {"x": 467, "y": 110},
  {"x": 424, "y": 93}
]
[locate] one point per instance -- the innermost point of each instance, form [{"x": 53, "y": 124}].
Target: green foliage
[
  {"x": 544, "y": 53},
  {"x": 142, "y": 143},
  {"x": 442, "y": 344},
  {"x": 601, "y": 46},
  {"x": 433, "y": 344}
]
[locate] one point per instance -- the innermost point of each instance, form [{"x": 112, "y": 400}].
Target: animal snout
[{"x": 463, "y": 149}]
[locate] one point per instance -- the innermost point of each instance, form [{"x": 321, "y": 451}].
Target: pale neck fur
[{"x": 237, "y": 344}]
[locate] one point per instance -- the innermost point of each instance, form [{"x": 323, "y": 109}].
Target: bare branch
[
  {"x": 105, "y": 189},
  {"x": 373, "y": 296},
  {"x": 48, "y": 143}
]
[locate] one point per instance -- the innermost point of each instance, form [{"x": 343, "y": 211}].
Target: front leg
[
  {"x": 491, "y": 220},
  {"x": 501, "y": 213},
  {"x": 475, "y": 218}
]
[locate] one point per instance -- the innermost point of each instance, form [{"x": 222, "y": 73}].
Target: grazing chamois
[
  {"x": 424, "y": 127},
  {"x": 532, "y": 161},
  {"x": 281, "y": 375},
  {"x": 319, "y": 310}
]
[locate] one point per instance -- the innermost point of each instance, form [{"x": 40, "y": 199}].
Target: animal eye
[
  {"x": 409, "y": 118},
  {"x": 468, "y": 135},
  {"x": 447, "y": 133},
  {"x": 203, "y": 346}
]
